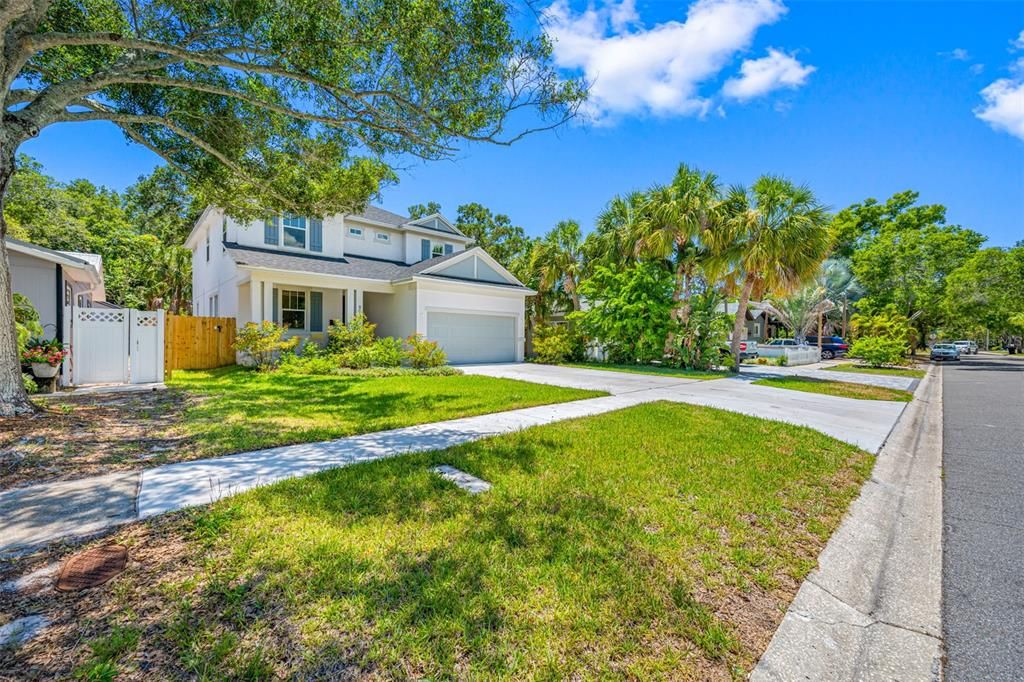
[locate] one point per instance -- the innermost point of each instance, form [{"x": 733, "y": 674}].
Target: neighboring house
[
  {"x": 56, "y": 282},
  {"x": 407, "y": 276},
  {"x": 759, "y": 325}
]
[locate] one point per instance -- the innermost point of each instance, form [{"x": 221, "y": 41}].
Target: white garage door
[{"x": 473, "y": 338}]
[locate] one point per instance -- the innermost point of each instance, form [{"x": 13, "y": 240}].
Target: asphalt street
[{"x": 983, "y": 516}]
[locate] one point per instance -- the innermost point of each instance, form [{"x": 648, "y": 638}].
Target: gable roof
[{"x": 357, "y": 267}]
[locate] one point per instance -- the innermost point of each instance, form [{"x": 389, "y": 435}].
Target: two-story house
[{"x": 407, "y": 276}]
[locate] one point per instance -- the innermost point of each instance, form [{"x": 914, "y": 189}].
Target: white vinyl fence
[
  {"x": 795, "y": 355},
  {"x": 117, "y": 346}
]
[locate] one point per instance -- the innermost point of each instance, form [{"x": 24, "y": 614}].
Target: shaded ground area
[
  {"x": 838, "y": 388},
  {"x": 218, "y": 412},
  {"x": 983, "y": 511},
  {"x": 85, "y": 435},
  {"x": 911, "y": 372},
  {"x": 609, "y": 546}
]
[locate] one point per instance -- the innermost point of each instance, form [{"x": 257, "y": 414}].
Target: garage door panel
[{"x": 471, "y": 338}]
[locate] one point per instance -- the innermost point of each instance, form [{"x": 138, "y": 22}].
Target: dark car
[{"x": 831, "y": 346}]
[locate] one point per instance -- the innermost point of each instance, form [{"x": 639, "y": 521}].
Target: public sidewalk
[{"x": 872, "y": 608}]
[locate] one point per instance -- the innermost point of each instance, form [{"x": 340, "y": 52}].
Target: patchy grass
[
  {"x": 888, "y": 371},
  {"x": 842, "y": 389},
  {"x": 217, "y": 412},
  {"x": 652, "y": 369},
  {"x": 660, "y": 541},
  {"x": 247, "y": 410}
]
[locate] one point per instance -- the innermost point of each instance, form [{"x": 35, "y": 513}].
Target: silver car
[
  {"x": 945, "y": 351},
  {"x": 966, "y": 347}
]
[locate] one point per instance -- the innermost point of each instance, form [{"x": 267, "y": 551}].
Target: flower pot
[{"x": 45, "y": 370}]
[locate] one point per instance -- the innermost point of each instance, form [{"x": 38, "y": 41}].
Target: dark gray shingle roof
[
  {"x": 381, "y": 215},
  {"x": 347, "y": 266}
]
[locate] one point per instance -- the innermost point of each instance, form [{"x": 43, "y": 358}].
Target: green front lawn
[
  {"x": 889, "y": 371},
  {"x": 660, "y": 541},
  {"x": 243, "y": 410},
  {"x": 651, "y": 369},
  {"x": 842, "y": 389}
]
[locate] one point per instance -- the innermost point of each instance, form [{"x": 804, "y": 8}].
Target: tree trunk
[
  {"x": 13, "y": 399},
  {"x": 675, "y": 314},
  {"x": 741, "y": 320}
]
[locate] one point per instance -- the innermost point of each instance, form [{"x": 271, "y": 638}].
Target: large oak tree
[{"x": 266, "y": 105}]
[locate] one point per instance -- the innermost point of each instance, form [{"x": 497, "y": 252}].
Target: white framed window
[
  {"x": 293, "y": 309},
  {"x": 356, "y": 232},
  {"x": 207, "y": 246},
  {"x": 224, "y": 229},
  {"x": 436, "y": 249},
  {"x": 383, "y": 237},
  {"x": 294, "y": 232},
  {"x": 213, "y": 306}
]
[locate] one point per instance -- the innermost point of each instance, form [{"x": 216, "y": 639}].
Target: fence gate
[
  {"x": 146, "y": 334},
  {"x": 114, "y": 346}
]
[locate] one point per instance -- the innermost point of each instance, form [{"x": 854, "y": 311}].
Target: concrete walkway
[
  {"x": 872, "y": 608},
  {"x": 102, "y": 503},
  {"x": 812, "y": 372}
]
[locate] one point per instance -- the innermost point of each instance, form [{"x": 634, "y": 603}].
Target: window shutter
[
  {"x": 316, "y": 311},
  {"x": 270, "y": 228},
  {"x": 424, "y": 249},
  {"x": 273, "y": 317},
  {"x": 448, "y": 248},
  {"x": 316, "y": 234}
]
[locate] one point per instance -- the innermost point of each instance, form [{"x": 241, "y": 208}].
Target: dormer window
[
  {"x": 294, "y": 231},
  {"x": 356, "y": 232},
  {"x": 383, "y": 237}
]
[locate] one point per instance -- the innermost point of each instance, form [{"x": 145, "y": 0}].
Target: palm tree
[
  {"x": 842, "y": 288},
  {"x": 801, "y": 310},
  {"x": 674, "y": 227},
  {"x": 558, "y": 260},
  {"x": 613, "y": 240},
  {"x": 775, "y": 236}
]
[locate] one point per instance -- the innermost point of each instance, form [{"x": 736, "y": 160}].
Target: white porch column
[
  {"x": 268, "y": 300},
  {"x": 255, "y": 300},
  {"x": 359, "y": 301},
  {"x": 350, "y": 304}
]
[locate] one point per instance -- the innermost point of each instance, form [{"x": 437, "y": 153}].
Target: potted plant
[{"x": 45, "y": 357}]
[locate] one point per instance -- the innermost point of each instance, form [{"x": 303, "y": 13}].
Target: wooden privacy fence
[{"x": 198, "y": 342}]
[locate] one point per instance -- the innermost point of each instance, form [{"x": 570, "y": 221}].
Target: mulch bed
[{"x": 86, "y": 435}]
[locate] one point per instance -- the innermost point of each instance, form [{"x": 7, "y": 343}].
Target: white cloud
[
  {"x": 976, "y": 69},
  {"x": 1004, "y": 106},
  {"x": 760, "y": 76},
  {"x": 633, "y": 69},
  {"x": 1018, "y": 42},
  {"x": 959, "y": 54}
]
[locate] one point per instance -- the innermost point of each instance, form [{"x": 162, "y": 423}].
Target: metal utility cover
[{"x": 92, "y": 567}]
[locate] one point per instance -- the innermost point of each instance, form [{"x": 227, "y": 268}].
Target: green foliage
[
  {"x": 144, "y": 262},
  {"x": 106, "y": 651},
  {"x": 264, "y": 343},
  {"x": 387, "y": 351},
  {"x": 879, "y": 351},
  {"x": 347, "y": 338},
  {"x": 555, "y": 344},
  {"x": 422, "y": 353},
  {"x": 29, "y": 384},
  {"x": 628, "y": 311},
  {"x": 557, "y": 259},
  {"x": 26, "y": 321},
  {"x": 699, "y": 338},
  {"x": 987, "y": 292},
  {"x": 887, "y": 323},
  {"x": 902, "y": 254}
]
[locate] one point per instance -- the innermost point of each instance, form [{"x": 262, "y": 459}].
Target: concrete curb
[{"x": 872, "y": 610}]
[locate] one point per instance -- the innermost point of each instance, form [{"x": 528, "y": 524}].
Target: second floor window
[
  {"x": 436, "y": 249},
  {"x": 294, "y": 231}
]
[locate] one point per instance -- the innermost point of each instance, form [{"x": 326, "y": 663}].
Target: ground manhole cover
[{"x": 92, "y": 567}]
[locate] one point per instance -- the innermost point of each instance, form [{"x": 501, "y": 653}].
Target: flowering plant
[{"x": 50, "y": 353}]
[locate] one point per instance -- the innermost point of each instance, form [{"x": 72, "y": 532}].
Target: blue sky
[{"x": 856, "y": 100}]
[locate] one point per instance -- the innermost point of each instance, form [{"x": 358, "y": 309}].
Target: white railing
[{"x": 795, "y": 355}]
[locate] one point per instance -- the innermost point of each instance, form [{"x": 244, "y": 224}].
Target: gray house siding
[{"x": 36, "y": 279}]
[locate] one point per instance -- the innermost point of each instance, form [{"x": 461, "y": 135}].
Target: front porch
[{"x": 305, "y": 304}]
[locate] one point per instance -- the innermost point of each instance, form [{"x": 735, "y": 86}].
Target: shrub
[
  {"x": 878, "y": 351},
  {"x": 29, "y": 383},
  {"x": 553, "y": 345},
  {"x": 26, "y": 320},
  {"x": 383, "y": 372},
  {"x": 387, "y": 352},
  {"x": 355, "y": 334},
  {"x": 360, "y": 358},
  {"x": 309, "y": 364},
  {"x": 264, "y": 343},
  {"x": 423, "y": 353},
  {"x": 782, "y": 360},
  {"x": 887, "y": 323}
]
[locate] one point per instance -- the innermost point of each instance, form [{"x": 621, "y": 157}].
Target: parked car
[
  {"x": 945, "y": 351},
  {"x": 966, "y": 347},
  {"x": 785, "y": 342},
  {"x": 748, "y": 350},
  {"x": 831, "y": 346}
]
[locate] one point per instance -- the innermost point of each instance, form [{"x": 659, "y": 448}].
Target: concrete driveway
[
  {"x": 615, "y": 383},
  {"x": 864, "y": 423}
]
